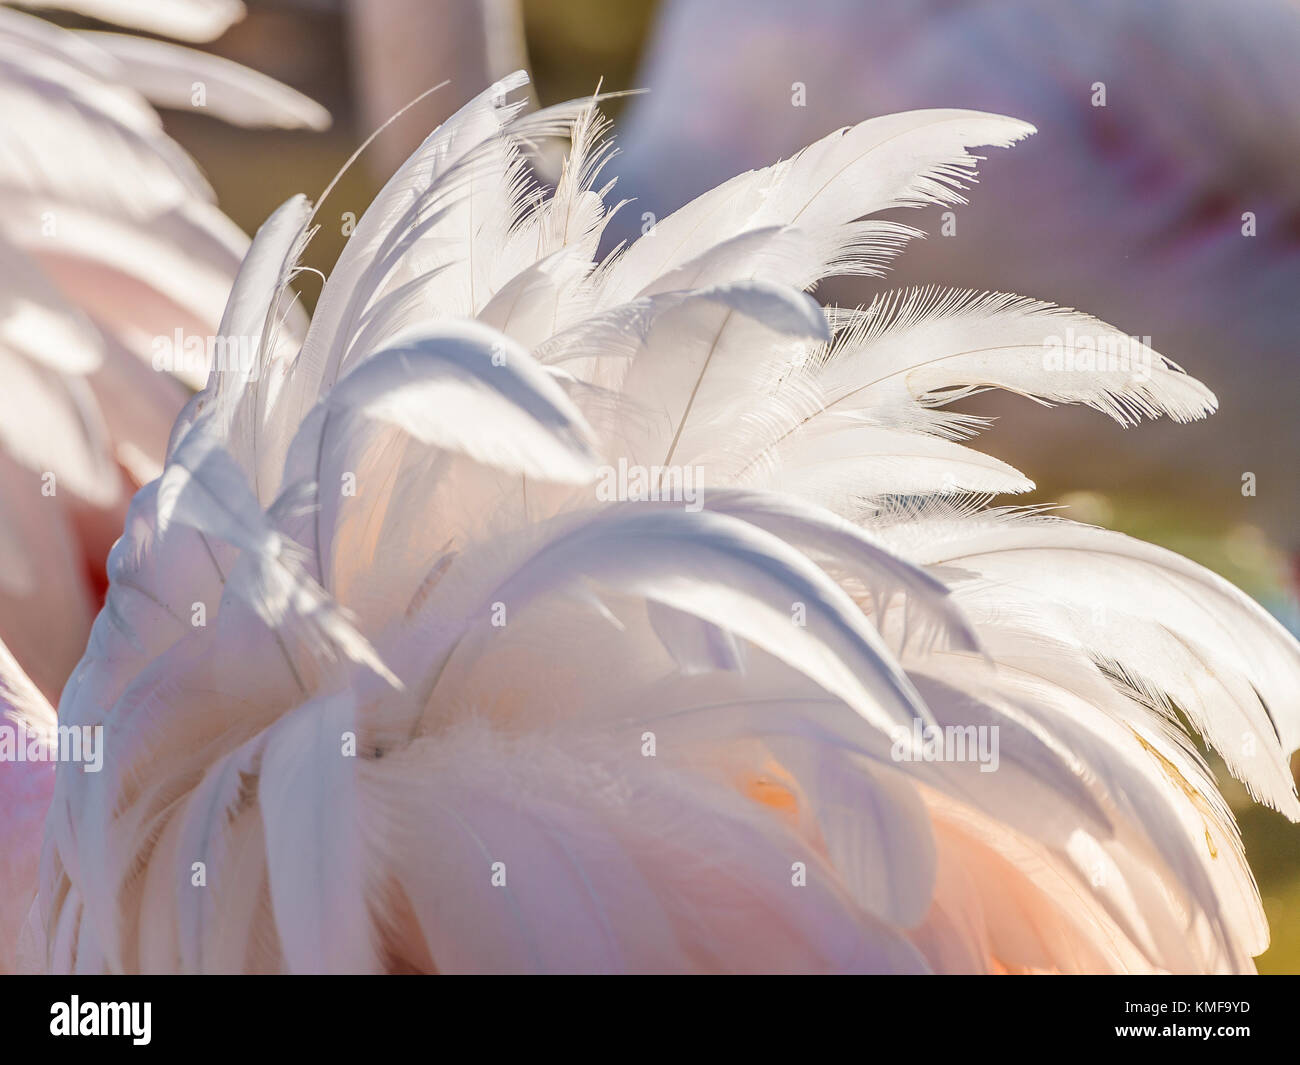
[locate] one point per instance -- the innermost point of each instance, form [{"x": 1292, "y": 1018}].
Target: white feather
[
  {"x": 165, "y": 74},
  {"x": 190, "y": 20},
  {"x": 613, "y": 734}
]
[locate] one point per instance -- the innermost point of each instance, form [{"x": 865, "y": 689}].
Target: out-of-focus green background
[{"x": 572, "y": 44}]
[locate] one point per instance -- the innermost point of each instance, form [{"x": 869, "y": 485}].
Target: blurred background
[{"x": 1161, "y": 194}]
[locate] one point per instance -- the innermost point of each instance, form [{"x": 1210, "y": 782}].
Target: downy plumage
[{"x": 451, "y": 707}]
